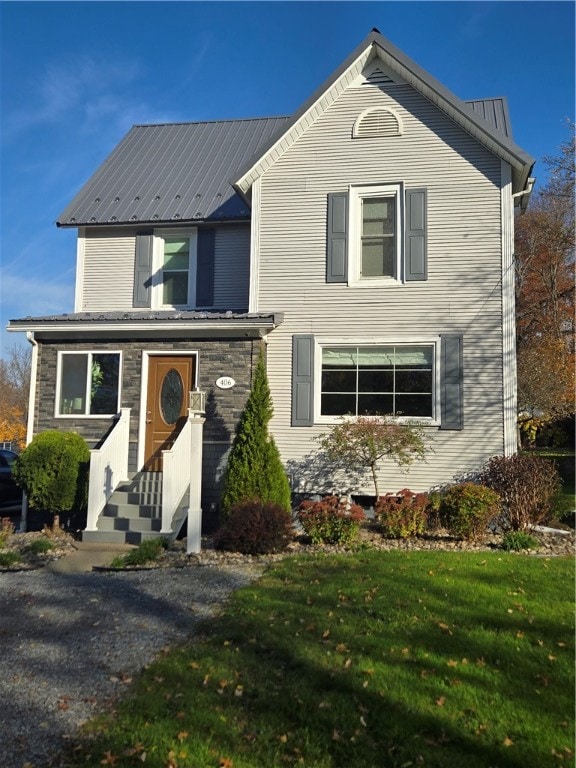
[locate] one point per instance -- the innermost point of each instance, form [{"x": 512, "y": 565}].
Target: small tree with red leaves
[{"x": 362, "y": 444}]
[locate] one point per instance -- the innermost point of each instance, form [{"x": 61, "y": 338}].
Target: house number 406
[{"x": 225, "y": 382}]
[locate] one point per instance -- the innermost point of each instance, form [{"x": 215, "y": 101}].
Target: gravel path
[{"x": 71, "y": 642}]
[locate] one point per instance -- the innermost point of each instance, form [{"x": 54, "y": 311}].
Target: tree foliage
[
  {"x": 362, "y": 444},
  {"x": 14, "y": 388},
  {"x": 53, "y": 470},
  {"x": 254, "y": 469},
  {"x": 545, "y": 292}
]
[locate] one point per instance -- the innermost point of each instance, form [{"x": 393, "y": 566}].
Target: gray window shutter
[
  {"x": 143, "y": 270},
  {"x": 451, "y": 382},
  {"x": 205, "y": 268},
  {"x": 337, "y": 238},
  {"x": 416, "y": 267},
  {"x": 302, "y": 381}
]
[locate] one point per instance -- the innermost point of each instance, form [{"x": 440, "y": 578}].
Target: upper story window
[
  {"x": 378, "y": 236},
  {"x": 174, "y": 269},
  {"x": 88, "y": 384},
  {"x": 176, "y": 287},
  {"x": 374, "y": 234}
]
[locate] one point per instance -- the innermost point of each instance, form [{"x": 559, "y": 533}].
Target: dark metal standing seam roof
[{"x": 172, "y": 172}]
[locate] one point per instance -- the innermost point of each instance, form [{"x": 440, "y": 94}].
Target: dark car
[{"x": 10, "y": 493}]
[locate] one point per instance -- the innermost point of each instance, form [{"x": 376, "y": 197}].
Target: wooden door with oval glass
[{"x": 170, "y": 379}]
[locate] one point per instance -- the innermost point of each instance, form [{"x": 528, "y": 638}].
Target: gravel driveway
[{"x": 71, "y": 642}]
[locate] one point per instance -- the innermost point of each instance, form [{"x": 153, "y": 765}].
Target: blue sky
[{"x": 76, "y": 75}]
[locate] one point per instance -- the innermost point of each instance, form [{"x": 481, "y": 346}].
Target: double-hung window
[
  {"x": 377, "y": 242},
  {"x": 378, "y": 380},
  {"x": 377, "y": 236},
  {"x": 88, "y": 384},
  {"x": 176, "y": 286}
]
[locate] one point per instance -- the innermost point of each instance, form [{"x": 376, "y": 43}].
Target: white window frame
[
  {"x": 157, "y": 297},
  {"x": 398, "y": 341},
  {"x": 356, "y": 195},
  {"x": 88, "y": 353}
]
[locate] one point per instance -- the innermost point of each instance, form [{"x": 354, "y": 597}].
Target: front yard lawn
[{"x": 365, "y": 661}]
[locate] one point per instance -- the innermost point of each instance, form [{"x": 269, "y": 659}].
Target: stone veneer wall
[{"x": 216, "y": 357}]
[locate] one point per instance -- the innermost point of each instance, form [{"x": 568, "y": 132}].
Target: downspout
[
  {"x": 30, "y": 424},
  {"x": 528, "y": 191}
]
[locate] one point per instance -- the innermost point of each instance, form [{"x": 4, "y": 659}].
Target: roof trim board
[{"x": 377, "y": 46}]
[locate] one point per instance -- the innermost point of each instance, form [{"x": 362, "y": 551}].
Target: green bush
[
  {"x": 331, "y": 520},
  {"x": 53, "y": 470},
  {"x": 254, "y": 469},
  {"x": 467, "y": 509},
  {"x": 402, "y": 515},
  {"x": 147, "y": 551},
  {"x": 254, "y": 527},
  {"x": 527, "y": 486},
  {"x": 39, "y": 546},
  {"x": 8, "y": 559},
  {"x": 516, "y": 541}
]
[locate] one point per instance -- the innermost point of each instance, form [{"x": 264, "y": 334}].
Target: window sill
[
  {"x": 377, "y": 282},
  {"x": 323, "y": 421}
]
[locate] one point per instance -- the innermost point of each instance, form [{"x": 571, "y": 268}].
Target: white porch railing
[
  {"x": 175, "y": 476},
  {"x": 108, "y": 468},
  {"x": 181, "y": 474}
]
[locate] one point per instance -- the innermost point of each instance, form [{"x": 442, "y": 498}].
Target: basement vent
[
  {"x": 377, "y": 122},
  {"x": 377, "y": 78}
]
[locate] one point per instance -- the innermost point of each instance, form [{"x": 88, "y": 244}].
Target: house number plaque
[{"x": 225, "y": 382}]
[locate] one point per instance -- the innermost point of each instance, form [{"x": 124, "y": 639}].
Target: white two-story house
[{"x": 366, "y": 243}]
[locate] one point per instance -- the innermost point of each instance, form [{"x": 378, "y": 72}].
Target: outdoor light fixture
[{"x": 197, "y": 402}]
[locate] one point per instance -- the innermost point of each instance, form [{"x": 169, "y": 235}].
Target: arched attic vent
[{"x": 377, "y": 122}]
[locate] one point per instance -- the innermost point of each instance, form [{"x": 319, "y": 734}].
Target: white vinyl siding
[
  {"x": 108, "y": 283},
  {"x": 108, "y": 269},
  {"x": 461, "y": 295}
]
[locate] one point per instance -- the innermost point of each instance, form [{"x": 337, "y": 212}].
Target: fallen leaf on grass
[
  {"x": 507, "y": 742},
  {"x": 440, "y": 701}
]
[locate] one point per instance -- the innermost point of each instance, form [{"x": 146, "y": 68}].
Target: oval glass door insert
[{"x": 171, "y": 396}]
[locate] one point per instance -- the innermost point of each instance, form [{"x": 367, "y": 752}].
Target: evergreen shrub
[
  {"x": 527, "y": 486},
  {"x": 254, "y": 469},
  {"x": 467, "y": 509},
  {"x": 402, "y": 515},
  {"x": 254, "y": 527},
  {"x": 53, "y": 471},
  {"x": 331, "y": 520}
]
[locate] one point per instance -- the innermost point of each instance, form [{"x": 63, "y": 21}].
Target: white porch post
[{"x": 193, "y": 541}]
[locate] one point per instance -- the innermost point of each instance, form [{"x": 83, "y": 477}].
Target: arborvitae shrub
[
  {"x": 403, "y": 515},
  {"x": 254, "y": 527},
  {"x": 254, "y": 469},
  {"x": 527, "y": 486},
  {"x": 331, "y": 520},
  {"x": 467, "y": 509},
  {"x": 53, "y": 470}
]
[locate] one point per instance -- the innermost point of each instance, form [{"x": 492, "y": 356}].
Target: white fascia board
[
  {"x": 284, "y": 142},
  {"x": 158, "y": 327},
  {"x": 423, "y": 82}
]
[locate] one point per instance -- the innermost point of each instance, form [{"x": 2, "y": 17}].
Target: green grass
[
  {"x": 40, "y": 546},
  {"x": 7, "y": 559},
  {"x": 459, "y": 660},
  {"x": 146, "y": 552}
]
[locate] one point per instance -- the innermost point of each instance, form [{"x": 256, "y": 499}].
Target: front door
[{"x": 170, "y": 379}]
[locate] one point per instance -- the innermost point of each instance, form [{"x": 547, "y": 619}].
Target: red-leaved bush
[
  {"x": 402, "y": 515},
  {"x": 255, "y": 528},
  {"x": 331, "y": 520}
]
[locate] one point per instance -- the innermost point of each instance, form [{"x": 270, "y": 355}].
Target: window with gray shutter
[
  {"x": 142, "y": 270},
  {"x": 337, "y": 238},
  {"x": 302, "y": 381},
  {"x": 205, "y": 268},
  {"x": 452, "y": 381},
  {"x": 415, "y": 258}
]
